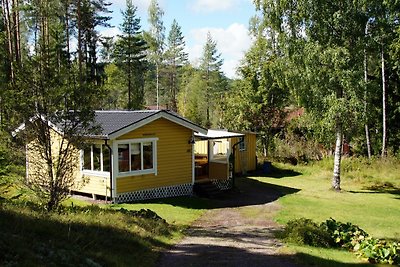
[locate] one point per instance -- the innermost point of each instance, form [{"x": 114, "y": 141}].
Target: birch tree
[
  {"x": 322, "y": 41},
  {"x": 155, "y": 38}
]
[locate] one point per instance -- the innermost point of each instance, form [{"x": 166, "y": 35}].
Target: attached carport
[{"x": 212, "y": 153}]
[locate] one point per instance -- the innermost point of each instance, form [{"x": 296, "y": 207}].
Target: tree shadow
[
  {"x": 248, "y": 248},
  {"x": 246, "y": 192},
  {"x": 276, "y": 172},
  {"x": 385, "y": 188},
  {"x": 30, "y": 238}
]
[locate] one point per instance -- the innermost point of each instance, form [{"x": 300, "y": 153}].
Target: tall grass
[{"x": 79, "y": 236}]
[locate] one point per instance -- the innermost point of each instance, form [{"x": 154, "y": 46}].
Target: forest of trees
[{"x": 339, "y": 61}]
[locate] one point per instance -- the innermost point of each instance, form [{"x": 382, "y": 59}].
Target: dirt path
[{"x": 239, "y": 233}]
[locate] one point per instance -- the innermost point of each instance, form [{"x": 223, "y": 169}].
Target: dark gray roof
[{"x": 113, "y": 121}]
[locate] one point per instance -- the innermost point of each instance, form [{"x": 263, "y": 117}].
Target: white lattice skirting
[
  {"x": 222, "y": 184},
  {"x": 161, "y": 192}
]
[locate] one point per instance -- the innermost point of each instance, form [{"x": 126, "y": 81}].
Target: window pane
[
  {"x": 123, "y": 157},
  {"x": 148, "y": 155},
  {"x": 106, "y": 159},
  {"x": 96, "y": 157},
  {"x": 136, "y": 157},
  {"x": 86, "y": 158}
]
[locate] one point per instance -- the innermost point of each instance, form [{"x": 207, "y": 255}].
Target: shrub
[
  {"x": 379, "y": 251},
  {"x": 295, "y": 149},
  {"x": 344, "y": 234},
  {"x": 305, "y": 231},
  {"x": 347, "y": 235}
]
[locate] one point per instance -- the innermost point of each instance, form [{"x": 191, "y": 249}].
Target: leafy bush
[
  {"x": 347, "y": 235},
  {"x": 379, "y": 251},
  {"x": 305, "y": 231},
  {"x": 344, "y": 234}
]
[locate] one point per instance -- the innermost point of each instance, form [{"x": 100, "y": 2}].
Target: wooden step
[{"x": 207, "y": 189}]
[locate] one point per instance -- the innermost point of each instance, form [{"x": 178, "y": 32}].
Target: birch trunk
[
  {"x": 367, "y": 139},
  {"x": 338, "y": 157},
  {"x": 384, "y": 137},
  {"x": 7, "y": 20}
]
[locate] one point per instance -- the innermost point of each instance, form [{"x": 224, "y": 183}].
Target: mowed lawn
[{"x": 370, "y": 198}]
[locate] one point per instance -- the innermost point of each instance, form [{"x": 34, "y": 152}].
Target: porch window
[
  {"x": 137, "y": 156},
  {"x": 219, "y": 151},
  {"x": 96, "y": 157}
]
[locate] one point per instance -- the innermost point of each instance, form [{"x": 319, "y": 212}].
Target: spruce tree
[{"x": 129, "y": 55}]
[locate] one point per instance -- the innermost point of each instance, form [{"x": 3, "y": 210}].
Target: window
[
  {"x": 96, "y": 158},
  {"x": 137, "y": 156},
  {"x": 242, "y": 145}
]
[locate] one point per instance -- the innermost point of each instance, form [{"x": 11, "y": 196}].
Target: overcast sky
[{"x": 227, "y": 21}]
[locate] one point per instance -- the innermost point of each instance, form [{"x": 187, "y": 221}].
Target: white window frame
[
  {"x": 93, "y": 172},
  {"x": 136, "y": 141}
]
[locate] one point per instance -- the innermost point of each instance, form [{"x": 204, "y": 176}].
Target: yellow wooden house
[{"x": 152, "y": 154}]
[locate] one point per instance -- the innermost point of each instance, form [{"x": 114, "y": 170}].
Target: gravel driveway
[{"x": 240, "y": 232}]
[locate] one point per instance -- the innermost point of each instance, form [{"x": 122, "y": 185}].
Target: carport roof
[{"x": 217, "y": 134}]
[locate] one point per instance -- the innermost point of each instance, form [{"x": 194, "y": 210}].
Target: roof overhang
[
  {"x": 22, "y": 127},
  {"x": 217, "y": 134}
]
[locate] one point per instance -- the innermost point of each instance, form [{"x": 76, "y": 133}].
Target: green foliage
[
  {"x": 258, "y": 100},
  {"x": 347, "y": 235},
  {"x": 305, "y": 231},
  {"x": 128, "y": 55},
  {"x": 378, "y": 251},
  {"x": 344, "y": 234},
  {"x": 175, "y": 58},
  {"x": 295, "y": 149}
]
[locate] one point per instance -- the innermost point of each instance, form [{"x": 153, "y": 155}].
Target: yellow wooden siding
[
  {"x": 201, "y": 147},
  {"x": 218, "y": 171},
  {"x": 174, "y": 157},
  {"x": 92, "y": 184},
  {"x": 88, "y": 184},
  {"x": 245, "y": 160}
]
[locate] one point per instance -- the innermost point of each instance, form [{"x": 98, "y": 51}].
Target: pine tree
[
  {"x": 210, "y": 67},
  {"x": 175, "y": 58},
  {"x": 129, "y": 56}
]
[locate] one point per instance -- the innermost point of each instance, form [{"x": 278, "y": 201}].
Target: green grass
[
  {"x": 180, "y": 211},
  {"x": 370, "y": 198},
  {"x": 80, "y": 234}
]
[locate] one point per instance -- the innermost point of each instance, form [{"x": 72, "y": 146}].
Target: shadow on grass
[
  {"x": 277, "y": 172},
  {"x": 32, "y": 238},
  {"x": 247, "y": 192},
  {"x": 384, "y": 188}
]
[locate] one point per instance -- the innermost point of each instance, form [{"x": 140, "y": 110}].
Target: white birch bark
[
  {"x": 384, "y": 137},
  {"x": 338, "y": 157}
]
